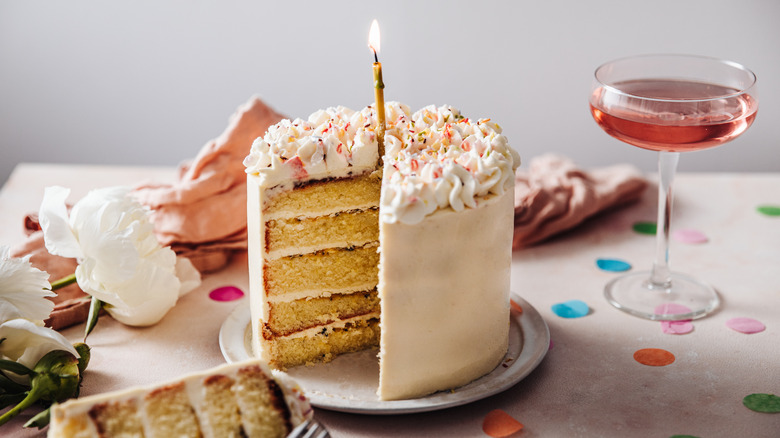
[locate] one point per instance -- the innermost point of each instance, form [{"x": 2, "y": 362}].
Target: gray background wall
[{"x": 149, "y": 82}]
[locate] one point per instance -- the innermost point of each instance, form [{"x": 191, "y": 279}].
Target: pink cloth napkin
[
  {"x": 202, "y": 216},
  {"x": 555, "y": 195}
]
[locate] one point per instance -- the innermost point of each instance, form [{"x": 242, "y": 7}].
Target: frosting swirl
[
  {"x": 334, "y": 142},
  {"x": 434, "y": 158},
  {"x": 438, "y": 158}
]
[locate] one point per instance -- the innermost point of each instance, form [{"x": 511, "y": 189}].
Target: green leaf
[
  {"x": 94, "y": 312},
  {"x": 8, "y": 385},
  {"x": 84, "y": 355},
  {"x": 10, "y": 399},
  {"x": 41, "y": 420},
  {"x": 14, "y": 367}
]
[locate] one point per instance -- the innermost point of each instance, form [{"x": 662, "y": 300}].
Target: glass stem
[{"x": 660, "y": 277}]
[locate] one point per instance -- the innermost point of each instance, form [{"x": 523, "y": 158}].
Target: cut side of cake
[
  {"x": 236, "y": 400},
  {"x": 314, "y": 233},
  {"x": 410, "y": 252}
]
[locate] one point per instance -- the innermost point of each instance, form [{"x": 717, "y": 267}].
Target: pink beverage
[{"x": 670, "y": 115}]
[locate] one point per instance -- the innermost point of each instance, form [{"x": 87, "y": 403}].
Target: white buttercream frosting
[
  {"x": 334, "y": 142},
  {"x": 434, "y": 158},
  {"x": 437, "y": 158}
]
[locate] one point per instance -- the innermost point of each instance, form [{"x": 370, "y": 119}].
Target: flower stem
[
  {"x": 62, "y": 282},
  {"x": 33, "y": 395}
]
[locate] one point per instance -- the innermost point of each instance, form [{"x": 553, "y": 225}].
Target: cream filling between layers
[
  {"x": 294, "y": 296},
  {"x": 289, "y": 214},
  {"x": 313, "y": 331}
]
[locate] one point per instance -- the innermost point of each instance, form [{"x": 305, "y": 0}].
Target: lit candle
[{"x": 379, "y": 86}]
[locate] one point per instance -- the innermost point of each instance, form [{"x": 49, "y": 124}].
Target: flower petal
[
  {"x": 23, "y": 289},
  {"x": 187, "y": 274},
  {"x": 53, "y": 217},
  {"x": 26, "y": 342}
]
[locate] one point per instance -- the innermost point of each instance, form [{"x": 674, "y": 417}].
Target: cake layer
[
  {"x": 331, "y": 270},
  {"x": 322, "y": 346},
  {"x": 289, "y": 317},
  {"x": 169, "y": 412},
  {"x": 324, "y": 197},
  {"x": 110, "y": 419},
  {"x": 260, "y": 401},
  {"x": 237, "y": 400},
  {"x": 303, "y": 235}
]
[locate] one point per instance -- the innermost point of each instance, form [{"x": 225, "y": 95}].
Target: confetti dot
[
  {"x": 571, "y": 309},
  {"x": 671, "y": 309},
  {"x": 769, "y": 210},
  {"x": 613, "y": 265},
  {"x": 645, "y": 228},
  {"x": 693, "y": 237},
  {"x": 516, "y": 307},
  {"x": 498, "y": 424},
  {"x": 768, "y": 403},
  {"x": 226, "y": 293},
  {"x": 654, "y": 357},
  {"x": 745, "y": 325},
  {"x": 676, "y": 327}
]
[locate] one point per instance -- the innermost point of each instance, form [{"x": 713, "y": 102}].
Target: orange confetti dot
[
  {"x": 498, "y": 424},
  {"x": 518, "y": 308},
  {"x": 654, "y": 357}
]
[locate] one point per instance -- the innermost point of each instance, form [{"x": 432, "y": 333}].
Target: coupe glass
[{"x": 670, "y": 104}]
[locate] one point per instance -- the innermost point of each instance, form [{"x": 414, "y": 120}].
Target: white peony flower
[
  {"x": 23, "y": 289},
  {"x": 23, "y": 307},
  {"x": 120, "y": 260}
]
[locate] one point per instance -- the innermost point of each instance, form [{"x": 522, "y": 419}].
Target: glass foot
[{"x": 686, "y": 298}]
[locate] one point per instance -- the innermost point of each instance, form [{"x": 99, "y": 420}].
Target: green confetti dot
[
  {"x": 769, "y": 210},
  {"x": 645, "y": 228},
  {"x": 768, "y": 403}
]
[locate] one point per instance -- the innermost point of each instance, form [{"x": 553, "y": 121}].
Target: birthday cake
[
  {"x": 410, "y": 251},
  {"x": 236, "y": 400}
]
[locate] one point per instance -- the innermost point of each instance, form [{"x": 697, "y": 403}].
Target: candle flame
[{"x": 373, "y": 37}]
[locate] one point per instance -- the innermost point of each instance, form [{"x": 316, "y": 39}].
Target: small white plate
[{"x": 349, "y": 382}]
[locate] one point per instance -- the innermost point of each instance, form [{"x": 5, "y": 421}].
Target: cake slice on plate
[{"x": 236, "y": 400}]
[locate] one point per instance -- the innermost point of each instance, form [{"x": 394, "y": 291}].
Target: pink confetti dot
[
  {"x": 676, "y": 327},
  {"x": 671, "y": 309},
  {"x": 226, "y": 293},
  {"x": 690, "y": 236},
  {"x": 745, "y": 325}
]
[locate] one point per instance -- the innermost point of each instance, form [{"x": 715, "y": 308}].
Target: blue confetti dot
[
  {"x": 613, "y": 265},
  {"x": 571, "y": 309}
]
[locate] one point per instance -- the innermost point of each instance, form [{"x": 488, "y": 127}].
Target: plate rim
[{"x": 530, "y": 324}]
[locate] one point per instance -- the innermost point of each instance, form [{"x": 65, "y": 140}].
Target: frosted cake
[{"x": 409, "y": 252}]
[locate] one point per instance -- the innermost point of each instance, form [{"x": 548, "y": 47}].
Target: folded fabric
[
  {"x": 555, "y": 195},
  {"x": 202, "y": 215}
]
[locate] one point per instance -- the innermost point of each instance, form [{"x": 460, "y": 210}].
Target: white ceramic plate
[{"x": 349, "y": 382}]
